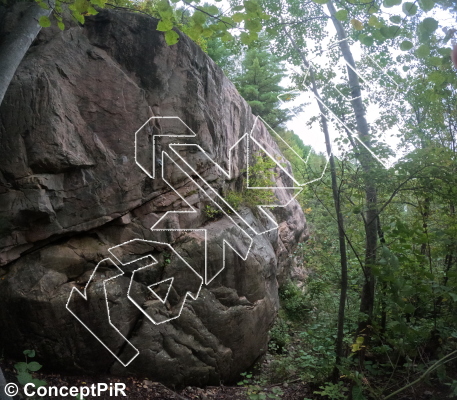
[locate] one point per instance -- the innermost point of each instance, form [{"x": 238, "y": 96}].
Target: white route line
[
  {"x": 85, "y": 297},
  {"x": 154, "y": 261},
  {"x": 244, "y": 257},
  {"x": 253, "y": 232},
  {"x": 361, "y": 76}
]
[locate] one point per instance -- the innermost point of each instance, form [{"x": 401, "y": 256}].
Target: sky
[{"x": 313, "y": 135}]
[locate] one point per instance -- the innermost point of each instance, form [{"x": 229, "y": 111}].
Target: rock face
[{"x": 70, "y": 190}]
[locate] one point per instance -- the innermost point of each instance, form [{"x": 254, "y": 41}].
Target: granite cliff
[{"x": 70, "y": 190}]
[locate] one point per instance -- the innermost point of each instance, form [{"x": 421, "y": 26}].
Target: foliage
[
  {"x": 279, "y": 336},
  {"x": 26, "y": 369},
  {"x": 254, "y": 389},
  {"x": 294, "y": 302},
  {"x": 453, "y": 387},
  {"x": 212, "y": 212},
  {"x": 258, "y": 181},
  {"x": 413, "y": 320},
  {"x": 333, "y": 391},
  {"x": 225, "y": 55},
  {"x": 234, "y": 198},
  {"x": 259, "y": 83}
]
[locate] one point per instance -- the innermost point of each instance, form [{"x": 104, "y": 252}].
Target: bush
[
  {"x": 294, "y": 302},
  {"x": 235, "y": 199},
  {"x": 212, "y": 212},
  {"x": 279, "y": 336}
]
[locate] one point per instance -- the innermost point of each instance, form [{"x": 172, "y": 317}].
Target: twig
[
  {"x": 130, "y": 9},
  {"x": 444, "y": 360},
  {"x": 207, "y": 13}
]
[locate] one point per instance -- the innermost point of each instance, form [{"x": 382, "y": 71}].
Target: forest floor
[{"x": 146, "y": 389}]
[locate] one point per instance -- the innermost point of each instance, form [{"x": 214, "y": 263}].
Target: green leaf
[
  {"x": 163, "y": 6},
  {"x": 238, "y": 8},
  {"x": 428, "y": 25},
  {"x": 253, "y": 25},
  {"x": 356, "y": 24},
  {"x": 42, "y": 4},
  {"x": 409, "y": 308},
  {"x": 391, "y": 3},
  {"x": 45, "y": 22},
  {"x": 29, "y": 353},
  {"x": 437, "y": 77},
  {"x": 435, "y": 61},
  {"x": 164, "y": 25},
  {"x": 252, "y": 6},
  {"x": 238, "y": 17},
  {"x": 92, "y": 11},
  {"x": 423, "y": 51},
  {"x": 213, "y": 10},
  {"x": 226, "y": 37},
  {"x": 426, "y": 5},
  {"x": 390, "y": 32},
  {"x": 406, "y": 45},
  {"x": 394, "y": 30},
  {"x": 372, "y": 8},
  {"x": 79, "y": 17},
  {"x": 253, "y": 36},
  {"x": 341, "y": 15},
  {"x": 444, "y": 51},
  {"x": 61, "y": 25},
  {"x": 34, "y": 366},
  {"x": 171, "y": 37},
  {"x": 81, "y": 6},
  {"x": 374, "y": 22},
  {"x": 244, "y": 38},
  {"x": 199, "y": 17},
  {"x": 357, "y": 393},
  {"x": 207, "y": 32},
  {"x": 368, "y": 41},
  {"x": 99, "y": 3},
  {"x": 38, "y": 382},
  {"x": 320, "y": 1},
  {"x": 409, "y": 9},
  {"x": 396, "y": 19},
  {"x": 21, "y": 367},
  {"x": 24, "y": 378}
]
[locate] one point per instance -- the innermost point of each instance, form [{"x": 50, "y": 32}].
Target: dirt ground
[{"x": 146, "y": 389}]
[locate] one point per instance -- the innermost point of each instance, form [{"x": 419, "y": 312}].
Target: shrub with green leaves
[
  {"x": 279, "y": 336},
  {"x": 294, "y": 302},
  {"x": 212, "y": 212},
  {"x": 255, "y": 389},
  {"x": 259, "y": 175},
  {"x": 26, "y": 369},
  {"x": 235, "y": 199},
  {"x": 333, "y": 391}
]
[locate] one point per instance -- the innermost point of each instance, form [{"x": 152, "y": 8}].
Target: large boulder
[{"x": 71, "y": 188}]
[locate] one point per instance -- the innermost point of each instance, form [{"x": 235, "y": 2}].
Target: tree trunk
[
  {"x": 367, "y": 163},
  {"x": 3, "y": 395},
  {"x": 15, "y": 44},
  {"x": 339, "y": 349}
]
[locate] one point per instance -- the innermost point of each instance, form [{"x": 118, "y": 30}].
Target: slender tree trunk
[
  {"x": 367, "y": 163},
  {"x": 3, "y": 395},
  {"x": 16, "y": 44},
  {"x": 339, "y": 349}
]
